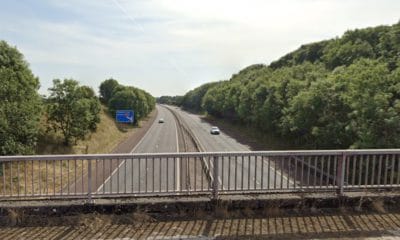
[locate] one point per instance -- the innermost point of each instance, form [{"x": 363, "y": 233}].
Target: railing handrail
[
  {"x": 211, "y": 173},
  {"x": 348, "y": 152}
]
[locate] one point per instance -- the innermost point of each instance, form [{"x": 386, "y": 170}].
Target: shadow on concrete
[{"x": 289, "y": 226}]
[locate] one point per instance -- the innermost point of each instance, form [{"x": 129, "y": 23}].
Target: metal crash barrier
[{"x": 179, "y": 174}]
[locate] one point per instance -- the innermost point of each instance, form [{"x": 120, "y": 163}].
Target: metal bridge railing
[{"x": 178, "y": 174}]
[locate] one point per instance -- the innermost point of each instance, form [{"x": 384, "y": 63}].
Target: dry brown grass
[
  {"x": 107, "y": 136},
  {"x": 41, "y": 177},
  {"x": 47, "y": 177}
]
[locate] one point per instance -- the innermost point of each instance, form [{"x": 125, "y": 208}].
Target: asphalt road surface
[
  {"x": 134, "y": 175},
  {"x": 240, "y": 172},
  {"x": 236, "y": 173}
]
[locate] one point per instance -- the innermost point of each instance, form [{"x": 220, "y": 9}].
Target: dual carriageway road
[{"x": 173, "y": 174}]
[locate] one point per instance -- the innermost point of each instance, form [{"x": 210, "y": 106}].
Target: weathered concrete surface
[
  {"x": 370, "y": 216},
  {"x": 167, "y": 207},
  {"x": 317, "y": 216}
]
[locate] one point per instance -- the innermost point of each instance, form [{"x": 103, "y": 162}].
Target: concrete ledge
[{"x": 170, "y": 207}]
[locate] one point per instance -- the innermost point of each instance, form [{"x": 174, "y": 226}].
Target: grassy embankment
[
  {"x": 104, "y": 140},
  {"x": 53, "y": 176}
]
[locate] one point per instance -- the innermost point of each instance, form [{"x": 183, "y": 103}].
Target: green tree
[
  {"x": 170, "y": 100},
  {"x": 106, "y": 89},
  {"x": 131, "y": 98},
  {"x": 72, "y": 109},
  {"x": 213, "y": 101},
  {"x": 338, "y": 53},
  {"x": 20, "y": 104},
  {"x": 125, "y": 99},
  {"x": 95, "y": 108},
  {"x": 372, "y": 93},
  {"x": 193, "y": 99},
  {"x": 318, "y": 116}
]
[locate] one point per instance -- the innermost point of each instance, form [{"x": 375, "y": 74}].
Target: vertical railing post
[
  {"x": 215, "y": 177},
  {"x": 90, "y": 181},
  {"x": 340, "y": 173}
]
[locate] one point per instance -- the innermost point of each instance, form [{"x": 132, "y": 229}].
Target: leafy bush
[
  {"x": 119, "y": 97},
  {"x": 20, "y": 104},
  {"x": 72, "y": 109}
]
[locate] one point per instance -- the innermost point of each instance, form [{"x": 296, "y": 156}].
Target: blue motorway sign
[{"x": 125, "y": 116}]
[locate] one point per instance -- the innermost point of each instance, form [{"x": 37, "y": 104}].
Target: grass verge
[
  {"x": 49, "y": 177},
  {"x": 107, "y": 136}
]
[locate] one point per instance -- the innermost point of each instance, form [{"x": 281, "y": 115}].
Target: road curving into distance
[{"x": 163, "y": 138}]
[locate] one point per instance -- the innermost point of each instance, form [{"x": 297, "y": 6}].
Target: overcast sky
[{"x": 170, "y": 46}]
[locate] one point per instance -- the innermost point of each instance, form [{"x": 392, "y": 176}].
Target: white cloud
[{"x": 169, "y": 46}]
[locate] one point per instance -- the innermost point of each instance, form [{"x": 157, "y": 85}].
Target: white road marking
[
  {"x": 280, "y": 173},
  {"x": 177, "y": 165},
  {"x": 119, "y": 166}
]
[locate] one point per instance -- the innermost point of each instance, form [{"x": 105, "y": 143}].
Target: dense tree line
[
  {"x": 71, "y": 109},
  {"x": 382, "y": 42},
  {"x": 338, "y": 93},
  {"x": 120, "y": 97},
  {"x": 170, "y": 100},
  {"x": 192, "y": 99}
]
